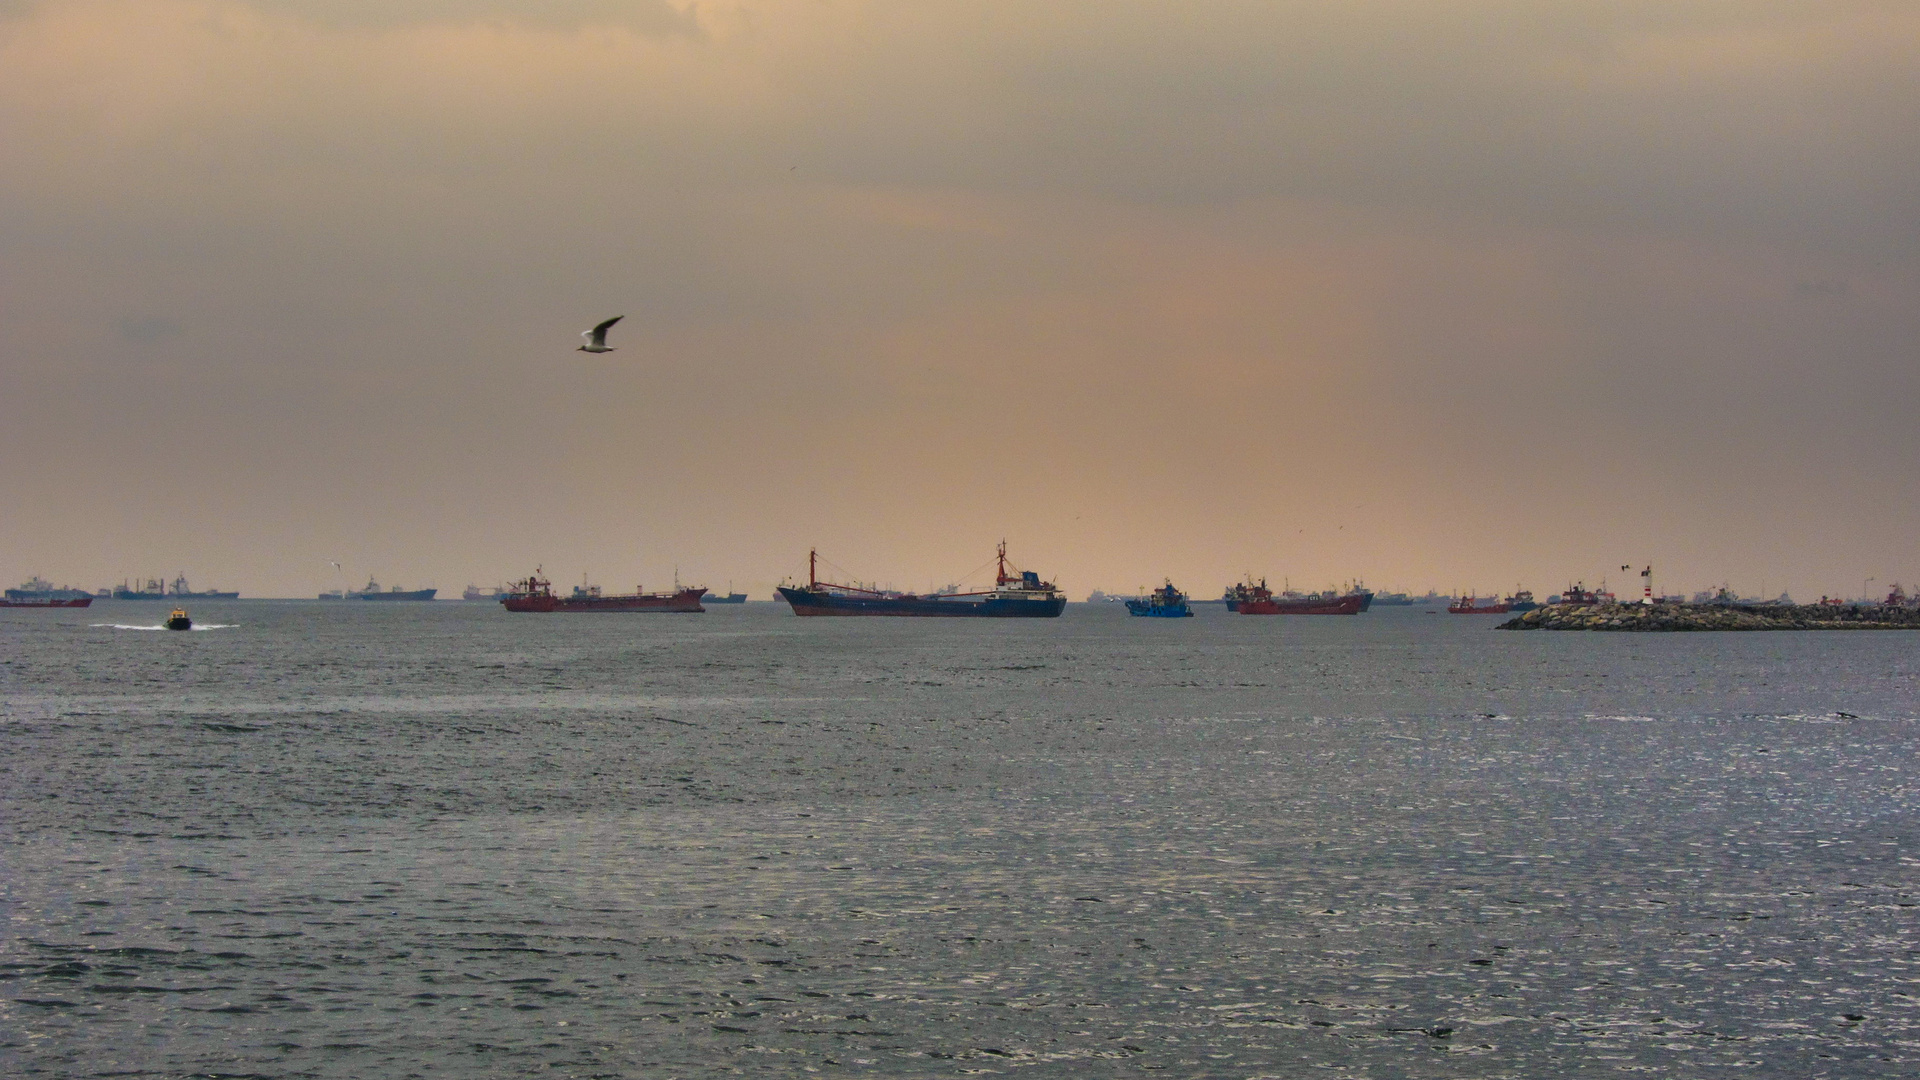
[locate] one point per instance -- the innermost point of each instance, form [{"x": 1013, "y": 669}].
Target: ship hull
[
  {"x": 806, "y": 602},
  {"x": 408, "y": 594},
  {"x": 1490, "y": 609},
  {"x": 1345, "y": 605},
  {"x": 76, "y": 602},
  {"x": 1150, "y": 611},
  {"x": 686, "y": 602},
  {"x": 730, "y": 598}
]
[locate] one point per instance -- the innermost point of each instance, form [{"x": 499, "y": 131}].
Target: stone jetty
[{"x": 1658, "y": 618}]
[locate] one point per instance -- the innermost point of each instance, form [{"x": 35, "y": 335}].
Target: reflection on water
[
  {"x": 445, "y": 841},
  {"x": 160, "y": 626}
]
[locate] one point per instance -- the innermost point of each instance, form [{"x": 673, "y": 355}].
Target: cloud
[
  {"x": 1221, "y": 256},
  {"x": 653, "y": 17}
]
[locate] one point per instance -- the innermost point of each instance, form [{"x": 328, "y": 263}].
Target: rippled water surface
[{"x": 337, "y": 840}]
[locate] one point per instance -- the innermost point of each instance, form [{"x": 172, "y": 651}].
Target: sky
[{"x": 1461, "y": 294}]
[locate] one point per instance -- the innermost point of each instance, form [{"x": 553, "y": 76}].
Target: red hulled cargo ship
[
  {"x": 37, "y": 593},
  {"x": 78, "y": 601},
  {"x": 535, "y": 593},
  {"x": 1248, "y": 598}
]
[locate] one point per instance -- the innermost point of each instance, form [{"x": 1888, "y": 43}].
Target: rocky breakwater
[{"x": 1678, "y": 617}]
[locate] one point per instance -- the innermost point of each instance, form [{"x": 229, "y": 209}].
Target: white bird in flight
[{"x": 597, "y": 337}]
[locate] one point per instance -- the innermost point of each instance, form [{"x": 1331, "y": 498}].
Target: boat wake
[{"x": 160, "y": 626}]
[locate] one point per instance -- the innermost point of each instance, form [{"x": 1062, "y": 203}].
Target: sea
[{"x": 441, "y": 840}]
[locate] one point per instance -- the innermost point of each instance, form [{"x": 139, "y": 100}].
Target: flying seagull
[{"x": 597, "y": 337}]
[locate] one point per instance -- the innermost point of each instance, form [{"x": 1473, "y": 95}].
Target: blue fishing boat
[{"x": 1165, "y": 602}]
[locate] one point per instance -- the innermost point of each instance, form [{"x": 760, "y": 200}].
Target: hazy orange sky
[{"x": 1455, "y": 294}]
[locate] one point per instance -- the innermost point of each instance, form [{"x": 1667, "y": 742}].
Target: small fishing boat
[
  {"x": 179, "y": 620},
  {"x": 1165, "y": 602}
]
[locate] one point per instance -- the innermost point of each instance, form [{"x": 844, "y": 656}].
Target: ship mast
[
  {"x": 1001, "y": 578},
  {"x": 813, "y": 574}
]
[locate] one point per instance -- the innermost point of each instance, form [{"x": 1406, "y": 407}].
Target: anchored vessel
[
  {"x": 1473, "y": 605},
  {"x": 1578, "y": 593},
  {"x": 1248, "y": 598},
  {"x": 38, "y": 592},
  {"x": 1015, "y": 595},
  {"x": 535, "y": 593},
  {"x": 1165, "y": 602},
  {"x": 373, "y": 592},
  {"x": 155, "y": 589},
  {"x": 1522, "y": 600}
]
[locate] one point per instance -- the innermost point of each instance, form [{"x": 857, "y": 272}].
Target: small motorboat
[{"x": 179, "y": 620}]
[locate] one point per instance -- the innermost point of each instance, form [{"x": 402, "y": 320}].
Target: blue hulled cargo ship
[
  {"x": 1015, "y": 595},
  {"x": 1165, "y": 602}
]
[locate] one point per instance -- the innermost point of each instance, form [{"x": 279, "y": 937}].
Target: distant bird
[{"x": 597, "y": 337}]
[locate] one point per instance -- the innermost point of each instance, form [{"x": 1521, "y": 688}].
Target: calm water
[{"x": 337, "y": 840}]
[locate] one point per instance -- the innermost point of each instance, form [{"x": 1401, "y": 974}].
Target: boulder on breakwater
[{"x": 1677, "y": 617}]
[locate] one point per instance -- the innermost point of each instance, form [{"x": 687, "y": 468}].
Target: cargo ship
[
  {"x": 1165, "y": 602},
  {"x": 535, "y": 593},
  {"x": 1015, "y": 595},
  {"x": 372, "y": 592},
  {"x": 1522, "y": 600},
  {"x": 38, "y": 592},
  {"x": 1249, "y": 598},
  {"x": 1580, "y": 594},
  {"x": 77, "y": 600},
  {"x": 1472, "y": 605},
  {"x": 155, "y": 589},
  {"x": 731, "y": 597}
]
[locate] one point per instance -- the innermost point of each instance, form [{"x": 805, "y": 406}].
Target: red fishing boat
[
  {"x": 1472, "y": 605},
  {"x": 1250, "y": 599},
  {"x": 535, "y": 593}
]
